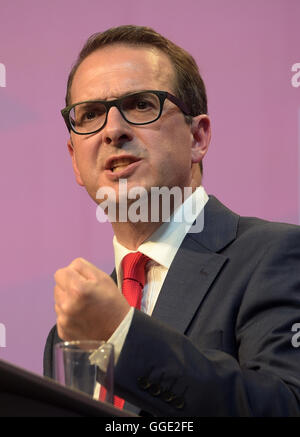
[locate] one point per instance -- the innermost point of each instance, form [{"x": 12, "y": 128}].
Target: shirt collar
[{"x": 163, "y": 244}]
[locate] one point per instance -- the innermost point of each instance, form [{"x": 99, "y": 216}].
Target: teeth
[
  {"x": 120, "y": 163},
  {"x": 118, "y": 167}
]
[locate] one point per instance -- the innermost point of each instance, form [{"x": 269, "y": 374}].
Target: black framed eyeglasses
[{"x": 139, "y": 108}]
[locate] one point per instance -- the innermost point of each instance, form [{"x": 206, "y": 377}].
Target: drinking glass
[{"x": 83, "y": 365}]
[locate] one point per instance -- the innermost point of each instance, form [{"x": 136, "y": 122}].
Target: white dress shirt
[{"x": 161, "y": 248}]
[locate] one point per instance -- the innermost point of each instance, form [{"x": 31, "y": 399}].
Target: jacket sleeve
[{"x": 52, "y": 339}]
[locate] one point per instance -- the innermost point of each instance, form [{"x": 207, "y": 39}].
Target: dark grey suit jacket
[{"x": 219, "y": 342}]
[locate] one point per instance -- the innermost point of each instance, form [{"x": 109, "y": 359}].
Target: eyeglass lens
[{"x": 137, "y": 108}]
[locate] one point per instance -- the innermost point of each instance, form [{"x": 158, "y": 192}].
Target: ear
[
  {"x": 201, "y": 131},
  {"x": 74, "y": 164}
]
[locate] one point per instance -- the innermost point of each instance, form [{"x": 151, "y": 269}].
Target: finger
[
  {"x": 63, "y": 330},
  {"x": 67, "y": 278},
  {"x": 86, "y": 269},
  {"x": 64, "y": 303},
  {"x": 59, "y": 296}
]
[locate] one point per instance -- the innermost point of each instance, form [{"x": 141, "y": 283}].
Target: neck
[{"x": 132, "y": 235}]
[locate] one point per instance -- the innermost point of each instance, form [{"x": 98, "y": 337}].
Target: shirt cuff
[
  {"x": 117, "y": 340},
  {"x": 119, "y": 336}
]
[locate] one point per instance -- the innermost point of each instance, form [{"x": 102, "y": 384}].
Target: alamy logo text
[
  {"x": 296, "y": 77},
  {"x": 2, "y": 335},
  {"x": 2, "y": 76}
]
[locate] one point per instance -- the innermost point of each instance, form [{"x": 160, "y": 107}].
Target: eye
[
  {"x": 91, "y": 113},
  {"x": 143, "y": 104},
  {"x": 87, "y": 113}
]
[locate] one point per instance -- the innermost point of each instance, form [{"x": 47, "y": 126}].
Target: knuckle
[
  {"x": 64, "y": 307},
  {"x": 56, "y": 308},
  {"x": 69, "y": 307},
  {"x": 78, "y": 285},
  {"x": 57, "y": 291},
  {"x": 58, "y": 274},
  {"x": 77, "y": 262},
  {"x": 63, "y": 323},
  {"x": 62, "y": 333}
]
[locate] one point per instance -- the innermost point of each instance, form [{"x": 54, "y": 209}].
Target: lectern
[{"x": 25, "y": 394}]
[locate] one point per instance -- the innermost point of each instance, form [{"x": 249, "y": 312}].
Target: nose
[{"x": 117, "y": 131}]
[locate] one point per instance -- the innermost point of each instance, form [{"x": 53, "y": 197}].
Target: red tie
[{"x": 134, "y": 278}]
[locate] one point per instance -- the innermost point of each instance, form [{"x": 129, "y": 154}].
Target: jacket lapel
[{"x": 195, "y": 267}]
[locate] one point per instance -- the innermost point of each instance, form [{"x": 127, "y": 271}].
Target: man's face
[{"x": 163, "y": 148}]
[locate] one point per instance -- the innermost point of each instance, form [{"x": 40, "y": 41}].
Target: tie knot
[{"x": 133, "y": 266}]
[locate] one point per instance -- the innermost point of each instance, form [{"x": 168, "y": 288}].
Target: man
[{"x": 213, "y": 335}]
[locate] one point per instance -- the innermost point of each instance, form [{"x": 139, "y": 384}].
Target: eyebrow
[{"x": 126, "y": 93}]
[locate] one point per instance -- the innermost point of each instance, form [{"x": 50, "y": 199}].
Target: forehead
[{"x": 118, "y": 69}]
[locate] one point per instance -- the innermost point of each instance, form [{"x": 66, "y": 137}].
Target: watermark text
[
  {"x": 296, "y": 337},
  {"x": 161, "y": 204},
  {"x": 296, "y": 77},
  {"x": 2, "y": 76},
  {"x": 2, "y": 335}
]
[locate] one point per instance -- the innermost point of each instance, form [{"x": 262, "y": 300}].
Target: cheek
[
  {"x": 169, "y": 165},
  {"x": 86, "y": 158},
  {"x": 88, "y": 175},
  {"x": 174, "y": 148}
]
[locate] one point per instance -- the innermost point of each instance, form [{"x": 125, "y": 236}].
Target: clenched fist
[{"x": 88, "y": 304}]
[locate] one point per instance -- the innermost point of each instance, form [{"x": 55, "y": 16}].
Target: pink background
[{"x": 245, "y": 51}]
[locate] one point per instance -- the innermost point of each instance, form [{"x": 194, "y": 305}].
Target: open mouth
[{"x": 119, "y": 164}]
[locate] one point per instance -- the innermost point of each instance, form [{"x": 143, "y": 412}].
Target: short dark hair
[{"x": 189, "y": 85}]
